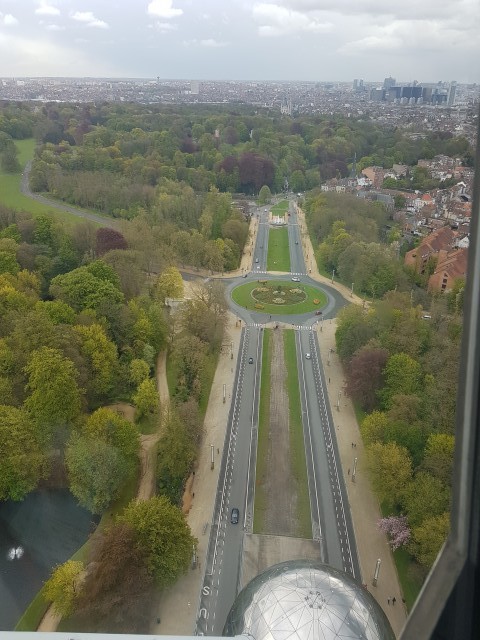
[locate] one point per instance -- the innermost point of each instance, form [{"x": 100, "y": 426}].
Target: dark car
[
  {"x": 235, "y": 517},
  {"x": 250, "y": 360},
  {"x": 318, "y": 313}
]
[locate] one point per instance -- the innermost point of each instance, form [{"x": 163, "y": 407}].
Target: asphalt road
[
  {"x": 331, "y": 521},
  {"x": 222, "y": 569}
]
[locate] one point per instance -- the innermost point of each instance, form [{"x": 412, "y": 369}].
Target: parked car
[
  {"x": 250, "y": 360},
  {"x": 308, "y": 356},
  {"x": 235, "y": 516}
]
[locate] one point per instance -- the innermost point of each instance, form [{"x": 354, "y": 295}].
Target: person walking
[
  {"x": 394, "y": 600},
  {"x": 388, "y": 601}
]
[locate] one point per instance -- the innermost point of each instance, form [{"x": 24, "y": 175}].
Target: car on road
[
  {"x": 318, "y": 313},
  {"x": 235, "y": 516},
  {"x": 245, "y": 275},
  {"x": 296, "y": 241},
  {"x": 295, "y": 279},
  {"x": 308, "y": 356},
  {"x": 250, "y": 360},
  {"x": 256, "y": 260}
]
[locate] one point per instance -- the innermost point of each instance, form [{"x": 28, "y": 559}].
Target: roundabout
[{"x": 279, "y": 297}]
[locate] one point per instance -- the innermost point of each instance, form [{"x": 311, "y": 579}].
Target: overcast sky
[{"x": 426, "y": 40}]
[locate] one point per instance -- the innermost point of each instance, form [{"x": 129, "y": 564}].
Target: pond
[{"x": 36, "y": 534}]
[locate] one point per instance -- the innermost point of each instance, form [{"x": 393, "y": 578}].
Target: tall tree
[
  {"x": 101, "y": 355},
  {"x": 117, "y": 590},
  {"x": 21, "y": 453},
  {"x": 96, "y": 472},
  {"x": 64, "y": 587},
  {"x": 161, "y": 529},
  {"x": 168, "y": 284},
  {"x": 365, "y": 375},
  {"x": 54, "y": 399},
  {"x": 390, "y": 470}
]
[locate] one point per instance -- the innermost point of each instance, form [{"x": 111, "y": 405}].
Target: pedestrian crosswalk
[
  {"x": 283, "y": 325},
  {"x": 261, "y": 272}
]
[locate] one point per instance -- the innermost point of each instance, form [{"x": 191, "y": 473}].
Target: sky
[{"x": 304, "y": 40}]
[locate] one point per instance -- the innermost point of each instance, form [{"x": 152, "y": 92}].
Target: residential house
[
  {"x": 442, "y": 239},
  {"x": 451, "y": 265}
]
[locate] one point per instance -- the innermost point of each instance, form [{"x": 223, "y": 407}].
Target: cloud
[
  {"x": 163, "y": 9},
  {"x": 35, "y": 56},
  {"x": 54, "y": 27},
  {"x": 211, "y": 42},
  {"x": 163, "y": 27},
  {"x": 46, "y": 9},
  {"x": 276, "y": 20},
  {"x": 402, "y": 35},
  {"x": 89, "y": 19},
  {"x": 8, "y": 20}
]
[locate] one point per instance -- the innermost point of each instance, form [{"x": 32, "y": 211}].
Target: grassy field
[
  {"x": 263, "y": 428},
  {"x": 280, "y": 209},
  {"x": 242, "y": 295},
  {"x": 11, "y": 196},
  {"x": 278, "y": 258},
  {"x": 297, "y": 445}
]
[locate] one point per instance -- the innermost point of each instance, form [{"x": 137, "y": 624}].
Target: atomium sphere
[{"x": 304, "y": 600}]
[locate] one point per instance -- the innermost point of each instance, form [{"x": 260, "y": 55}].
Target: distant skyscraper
[
  {"x": 451, "y": 94},
  {"x": 389, "y": 82},
  {"x": 194, "y": 87},
  {"x": 355, "y": 84}
]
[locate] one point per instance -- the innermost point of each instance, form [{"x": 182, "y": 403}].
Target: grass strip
[
  {"x": 278, "y": 258},
  {"x": 260, "y": 505},
  {"x": 280, "y": 209},
  {"x": 297, "y": 442}
]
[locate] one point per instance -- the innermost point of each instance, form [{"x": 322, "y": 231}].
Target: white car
[
  {"x": 308, "y": 356},
  {"x": 295, "y": 279}
]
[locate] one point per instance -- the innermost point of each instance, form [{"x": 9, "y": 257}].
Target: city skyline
[{"x": 290, "y": 40}]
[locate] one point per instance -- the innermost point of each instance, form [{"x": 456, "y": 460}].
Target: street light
[
  {"x": 377, "y": 571},
  {"x": 351, "y": 293},
  {"x": 333, "y": 275},
  {"x": 354, "y": 472}
]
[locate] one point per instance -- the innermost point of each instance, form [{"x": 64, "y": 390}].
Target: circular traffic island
[{"x": 279, "y": 297}]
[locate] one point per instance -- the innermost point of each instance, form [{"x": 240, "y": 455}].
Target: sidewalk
[
  {"x": 371, "y": 542},
  {"x": 177, "y": 608}
]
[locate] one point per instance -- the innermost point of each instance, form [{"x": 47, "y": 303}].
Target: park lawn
[
  {"x": 411, "y": 583},
  {"x": 12, "y": 197},
  {"x": 278, "y": 258},
  {"x": 297, "y": 442},
  {"x": 242, "y": 295},
  {"x": 260, "y": 504},
  {"x": 280, "y": 209}
]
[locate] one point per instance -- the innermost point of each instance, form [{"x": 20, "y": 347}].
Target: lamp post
[
  {"x": 333, "y": 275},
  {"x": 351, "y": 292},
  {"x": 377, "y": 571},
  {"x": 354, "y": 472}
]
